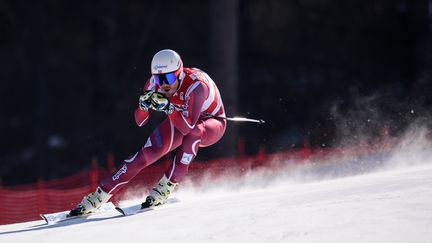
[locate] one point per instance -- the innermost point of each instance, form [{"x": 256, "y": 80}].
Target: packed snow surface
[
  {"x": 392, "y": 203},
  {"x": 392, "y": 206}
]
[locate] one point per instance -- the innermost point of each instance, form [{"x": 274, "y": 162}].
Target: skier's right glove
[{"x": 145, "y": 102}]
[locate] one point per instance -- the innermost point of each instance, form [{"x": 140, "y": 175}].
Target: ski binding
[
  {"x": 64, "y": 215},
  {"x": 137, "y": 208}
]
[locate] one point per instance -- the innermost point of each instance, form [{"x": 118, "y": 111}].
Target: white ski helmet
[{"x": 166, "y": 61}]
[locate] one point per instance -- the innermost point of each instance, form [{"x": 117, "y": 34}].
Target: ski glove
[
  {"x": 160, "y": 102},
  {"x": 145, "y": 102}
]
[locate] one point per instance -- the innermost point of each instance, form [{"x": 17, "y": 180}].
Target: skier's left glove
[{"x": 161, "y": 103}]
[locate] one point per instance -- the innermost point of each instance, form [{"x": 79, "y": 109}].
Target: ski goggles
[{"x": 165, "y": 78}]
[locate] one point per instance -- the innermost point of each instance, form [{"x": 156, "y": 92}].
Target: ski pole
[
  {"x": 242, "y": 119},
  {"x": 236, "y": 118}
]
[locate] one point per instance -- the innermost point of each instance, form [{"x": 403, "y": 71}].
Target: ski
[
  {"x": 64, "y": 215},
  {"x": 136, "y": 208}
]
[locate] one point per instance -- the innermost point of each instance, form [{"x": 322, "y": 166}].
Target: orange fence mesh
[{"x": 25, "y": 202}]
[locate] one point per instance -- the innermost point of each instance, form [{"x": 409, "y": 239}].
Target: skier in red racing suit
[{"x": 193, "y": 105}]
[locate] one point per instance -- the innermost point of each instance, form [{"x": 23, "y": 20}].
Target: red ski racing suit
[{"x": 193, "y": 124}]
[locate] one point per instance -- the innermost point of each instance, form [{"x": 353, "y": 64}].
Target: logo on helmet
[{"x": 160, "y": 66}]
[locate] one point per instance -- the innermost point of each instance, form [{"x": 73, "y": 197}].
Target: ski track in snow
[{"x": 391, "y": 203}]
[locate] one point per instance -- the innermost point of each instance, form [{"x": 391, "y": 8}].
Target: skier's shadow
[{"x": 44, "y": 225}]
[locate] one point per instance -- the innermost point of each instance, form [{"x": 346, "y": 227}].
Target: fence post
[
  {"x": 260, "y": 158},
  {"x": 261, "y": 153},
  {"x": 110, "y": 162},
  {"x": 306, "y": 150},
  {"x": 41, "y": 207},
  {"x": 93, "y": 174},
  {"x": 385, "y": 138},
  {"x": 4, "y": 194},
  {"x": 240, "y": 148}
]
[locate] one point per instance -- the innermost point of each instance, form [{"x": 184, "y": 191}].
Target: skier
[{"x": 193, "y": 105}]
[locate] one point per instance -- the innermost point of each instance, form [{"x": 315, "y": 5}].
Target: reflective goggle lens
[{"x": 167, "y": 78}]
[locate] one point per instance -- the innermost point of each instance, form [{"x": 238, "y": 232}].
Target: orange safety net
[{"x": 26, "y": 202}]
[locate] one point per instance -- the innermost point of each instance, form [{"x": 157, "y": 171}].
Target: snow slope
[
  {"x": 392, "y": 203},
  {"x": 393, "y": 206}
]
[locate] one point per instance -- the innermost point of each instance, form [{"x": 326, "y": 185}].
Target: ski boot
[
  {"x": 160, "y": 193},
  {"x": 91, "y": 202}
]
